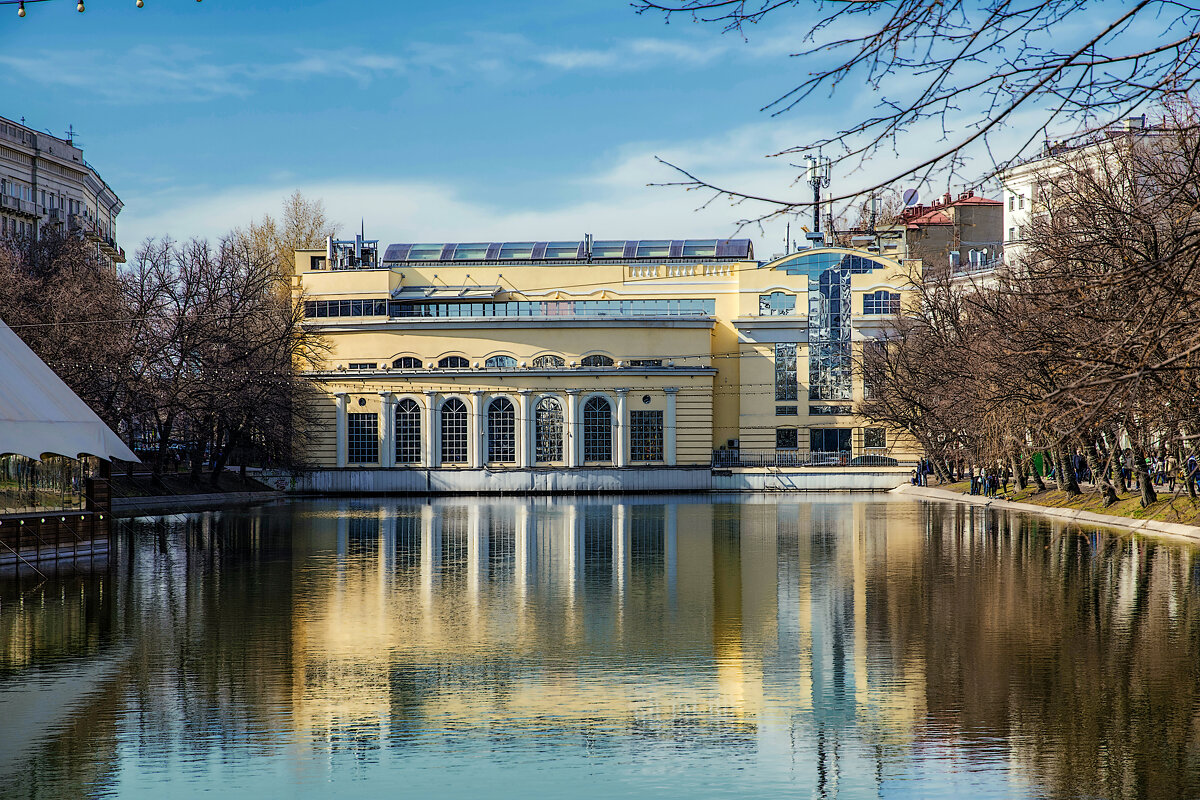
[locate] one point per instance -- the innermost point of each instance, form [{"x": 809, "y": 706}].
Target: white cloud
[
  {"x": 635, "y": 54},
  {"x": 613, "y": 201}
]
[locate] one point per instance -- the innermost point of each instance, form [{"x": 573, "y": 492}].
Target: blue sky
[
  {"x": 448, "y": 121},
  {"x": 433, "y": 121}
]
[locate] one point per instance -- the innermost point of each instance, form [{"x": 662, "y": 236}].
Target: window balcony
[{"x": 15, "y": 205}]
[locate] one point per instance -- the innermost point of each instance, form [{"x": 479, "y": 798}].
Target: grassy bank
[
  {"x": 1177, "y": 508},
  {"x": 177, "y": 484}
]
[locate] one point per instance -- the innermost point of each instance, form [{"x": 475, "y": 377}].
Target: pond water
[{"x": 827, "y": 646}]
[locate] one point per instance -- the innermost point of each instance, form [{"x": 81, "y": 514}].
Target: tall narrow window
[
  {"x": 597, "y": 430},
  {"x": 454, "y": 432},
  {"x": 874, "y": 366},
  {"x": 408, "y": 432},
  {"x": 548, "y": 417},
  {"x": 645, "y": 436},
  {"x": 362, "y": 438},
  {"x": 785, "y": 371},
  {"x": 502, "y": 431}
]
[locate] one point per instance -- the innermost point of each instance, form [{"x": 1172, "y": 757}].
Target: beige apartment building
[
  {"x": 46, "y": 183},
  {"x": 621, "y": 362}
]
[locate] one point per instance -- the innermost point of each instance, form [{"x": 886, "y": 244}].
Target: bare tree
[
  {"x": 991, "y": 81},
  {"x": 1085, "y": 346}
]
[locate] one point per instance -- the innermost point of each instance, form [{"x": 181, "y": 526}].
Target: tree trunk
[
  {"x": 165, "y": 429},
  {"x": 1143, "y": 475},
  {"x": 1037, "y": 479},
  {"x": 225, "y": 437},
  {"x": 1018, "y": 473},
  {"x": 1068, "y": 482},
  {"x": 1054, "y": 456},
  {"x": 1095, "y": 466},
  {"x": 1099, "y": 470},
  {"x": 1117, "y": 474}
]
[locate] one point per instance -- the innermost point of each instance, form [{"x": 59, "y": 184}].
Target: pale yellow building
[{"x": 596, "y": 357}]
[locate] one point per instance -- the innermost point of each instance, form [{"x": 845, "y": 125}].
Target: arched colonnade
[{"x": 522, "y": 429}]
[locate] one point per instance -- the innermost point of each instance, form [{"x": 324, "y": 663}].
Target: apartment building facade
[{"x": 46, "y": 183}]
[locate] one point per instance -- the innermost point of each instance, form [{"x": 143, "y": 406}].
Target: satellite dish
[{"x": 911, "y": 197}]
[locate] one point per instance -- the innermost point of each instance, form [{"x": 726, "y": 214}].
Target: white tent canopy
[{"x": 40, "y": 415}]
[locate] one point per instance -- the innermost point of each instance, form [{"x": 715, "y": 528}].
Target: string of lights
[{"x": 79, "y": 6}]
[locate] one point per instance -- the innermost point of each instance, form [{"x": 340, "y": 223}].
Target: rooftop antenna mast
[{"x": 817, "y": 170}]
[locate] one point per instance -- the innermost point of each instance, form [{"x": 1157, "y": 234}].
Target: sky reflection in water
[{"x": 831, "y": 647}]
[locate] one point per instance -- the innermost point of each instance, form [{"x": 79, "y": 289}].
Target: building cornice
[
  {"x": 423, "y": 323},
  {"x": 433, "y": 374}
]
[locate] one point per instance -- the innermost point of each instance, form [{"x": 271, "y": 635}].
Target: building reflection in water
[{"x": 843, "y": 646}]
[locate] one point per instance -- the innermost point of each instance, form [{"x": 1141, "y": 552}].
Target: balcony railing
[
  {"x": 870, "y": 457},
  {"x": 15, "y": 205}
]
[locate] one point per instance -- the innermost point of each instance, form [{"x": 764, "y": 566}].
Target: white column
[
  {"x": 525, "y": 425},
  {"x": 620, "y": 565},
  {"x": 431, "y": 554},
  {"x": 621, "y": 458},
  {"x": 340, "y": 428},
  {"x": 477, "y": 553},
  {"x": 387, "y": 546},
  {"x": 476, "y": 431},
  {"x": 573, "y": 444},
  {"x": 669, "y": 427},
  {"x": 387, "y": 431},
  {"x": 670, "y": 550},
  {"x": 429, "y": 451},
  {"x": 525, "y": 549}
]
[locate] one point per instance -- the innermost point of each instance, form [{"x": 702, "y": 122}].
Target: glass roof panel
[
  {"x": 605, "y": 248},
  {"x": 516, "y": 250},
  {"x": 608, "y": 249},
  {"x": 472, "y": 251},
  {"x": 425, "y": 252}
]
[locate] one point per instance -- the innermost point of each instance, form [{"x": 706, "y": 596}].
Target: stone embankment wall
[{"x": 586, "y": 481}]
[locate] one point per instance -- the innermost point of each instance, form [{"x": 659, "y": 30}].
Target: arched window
[
  {"x": 597, "y": 430},
  {"x": 548, "y": 422},
  {"x": 596, "y": 361},
  {"x": 776, "y": 304},
  {"x": 501, "y": 362},
  {"x": 408, "y": 432},
  {"x": 407, "y": 362},
  {"x": 453, "y": 362},
  {"x": 549, "y": 362},
  {"x": 502, "y": 430},
  {"x": 454, "y": 432}
]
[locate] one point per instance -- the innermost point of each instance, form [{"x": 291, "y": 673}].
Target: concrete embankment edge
[
  {"x": 1189, "y": 532},
  {"x": 130, "y": 506},
  {"x": 586, "y": 480}
]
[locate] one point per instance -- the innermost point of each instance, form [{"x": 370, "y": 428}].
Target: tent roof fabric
[{"x": 40, "y": 415}]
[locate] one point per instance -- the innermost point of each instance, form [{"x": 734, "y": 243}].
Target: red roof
[{"x": 917, "y": 216}]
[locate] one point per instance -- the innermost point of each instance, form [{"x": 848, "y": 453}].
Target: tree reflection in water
[{"x": 841, "y": 647}]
